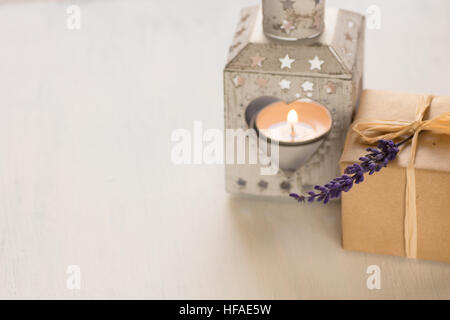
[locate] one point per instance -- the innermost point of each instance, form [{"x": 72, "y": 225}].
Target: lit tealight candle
[
  {"x": 290, "y": 130},
  {"x": 299, "y": 121},
  {"x": 299, "y": 128}
]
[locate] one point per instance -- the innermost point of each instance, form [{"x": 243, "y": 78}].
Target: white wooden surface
[{"x": 85, "y": 171}]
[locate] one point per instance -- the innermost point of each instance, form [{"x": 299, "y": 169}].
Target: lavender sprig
[{"x": 374, "y": 161}]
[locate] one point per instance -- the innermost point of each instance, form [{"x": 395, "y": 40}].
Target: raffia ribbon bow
[{"x": 373, "y": 131}]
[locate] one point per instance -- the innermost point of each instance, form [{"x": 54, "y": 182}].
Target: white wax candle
[
  {"x": 295, "y": 123},
  {"x": 282, "y": 132}
]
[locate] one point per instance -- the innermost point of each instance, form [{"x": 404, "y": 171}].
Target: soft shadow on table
[
  {"x": 252, "y": 215},
  {"x": 296, "y": 252},
  {"x": 285, "y": 241}
]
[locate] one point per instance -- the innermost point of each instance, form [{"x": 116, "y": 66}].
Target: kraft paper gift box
[{"x": 375, "y": 214}]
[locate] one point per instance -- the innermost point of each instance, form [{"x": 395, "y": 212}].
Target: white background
[{"x": 85, "y": 171}]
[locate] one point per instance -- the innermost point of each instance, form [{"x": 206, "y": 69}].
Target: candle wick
[{"x": 293, "y": 134}]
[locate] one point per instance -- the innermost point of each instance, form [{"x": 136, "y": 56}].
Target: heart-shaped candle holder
[{"x": 327, "y": 69}]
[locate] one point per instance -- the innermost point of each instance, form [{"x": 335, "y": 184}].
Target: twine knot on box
[{"x": 375, "y": 130}]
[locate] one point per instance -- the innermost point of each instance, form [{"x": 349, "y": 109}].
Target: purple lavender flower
[{"x": 377, "y": 159}]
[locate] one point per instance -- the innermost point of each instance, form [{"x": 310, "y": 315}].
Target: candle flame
[{"x": 292, "y": 117}]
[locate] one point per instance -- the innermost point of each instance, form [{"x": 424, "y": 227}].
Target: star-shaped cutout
[
  {"x": 286, "y": 62},
  {"x": 346, "y": 52},
  {"x": 234, "y": 46},
  {"x": 245, "y": 17},
  {"x": 348, "y": 37},
  {"x": 287, "y": 26},
  {"x": 241, "y": 183},
  {"x": 318, "y": 20},
  {"x": 330, "y": 88},
  {"x": 263, "y": 185},
  {"x": 285, "y": 185},
  {"x": 240, "y": 31},
  {"x": 238, "y": 81},
  {"x": 257, "y": 60},
  {"x": 316, "y": 63},
  {"x": 285, "y": 84},
  {"x": 308, "y": 86},
  {"x": 262, "y": 83},
  {"x": 287, "y": 4}
]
